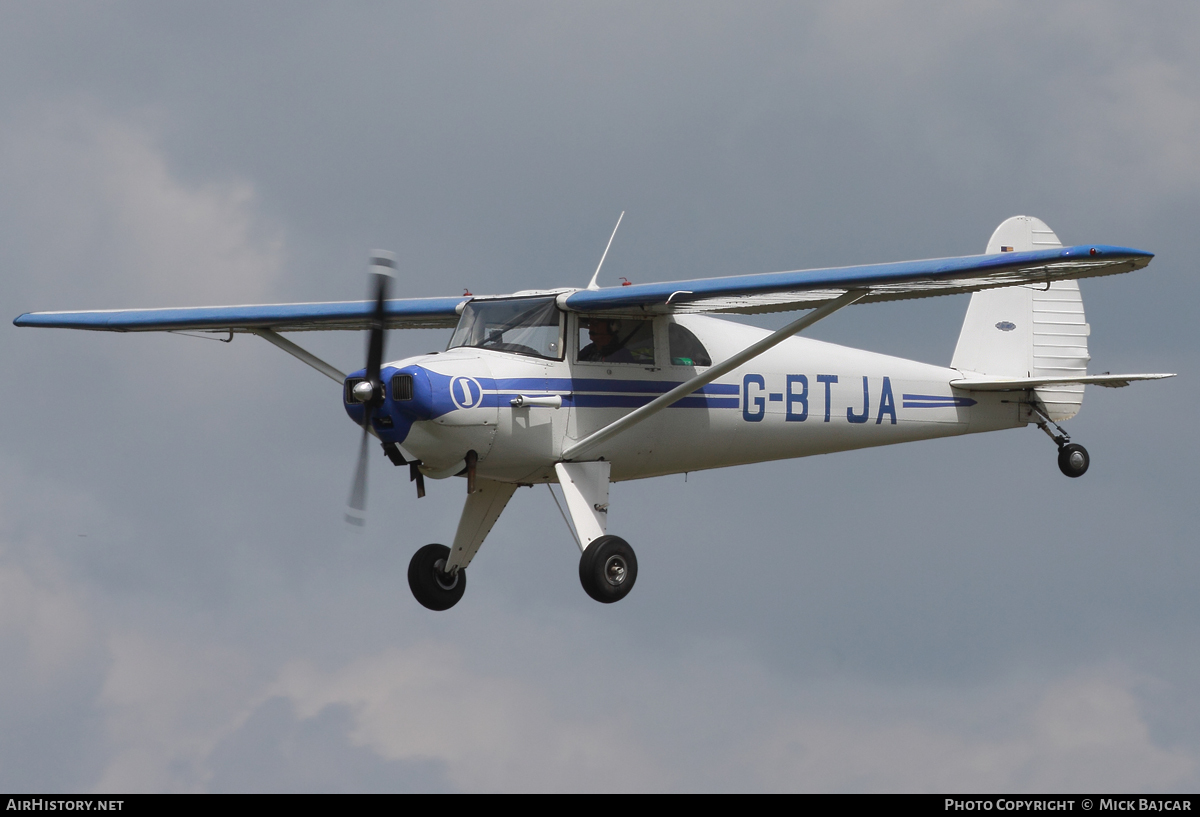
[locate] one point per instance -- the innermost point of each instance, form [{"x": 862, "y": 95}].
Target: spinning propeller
[{"x": 370, "y": 392}]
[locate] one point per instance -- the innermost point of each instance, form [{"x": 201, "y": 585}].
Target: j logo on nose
[{"x": 466, "y": 392}]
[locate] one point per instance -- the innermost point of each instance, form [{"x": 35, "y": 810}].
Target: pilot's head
[{"x": 601, "y": 332}]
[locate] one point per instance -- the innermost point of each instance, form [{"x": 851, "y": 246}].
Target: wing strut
[
  {"x": 724, "y": 367},
  {"x": 300, "y": 354}
]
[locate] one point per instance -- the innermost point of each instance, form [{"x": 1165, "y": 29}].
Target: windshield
[{"x": 526, "y": 326}]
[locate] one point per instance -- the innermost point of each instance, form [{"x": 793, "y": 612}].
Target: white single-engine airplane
[{"x": 587, "y": 386}]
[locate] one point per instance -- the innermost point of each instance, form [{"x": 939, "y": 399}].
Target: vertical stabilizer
[{"x": 1027, "y": 331}]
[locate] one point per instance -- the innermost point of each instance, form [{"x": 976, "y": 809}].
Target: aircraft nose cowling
[{"x": 408, "y": 397}]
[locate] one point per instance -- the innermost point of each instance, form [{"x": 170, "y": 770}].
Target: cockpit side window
[
  {"x": 686, "y": 348},
  {"x": 616, "y": 340},
  {"x": 524, "y": 326}
]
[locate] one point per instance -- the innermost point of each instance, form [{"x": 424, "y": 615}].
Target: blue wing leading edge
[{"x": 413, "y": 313}]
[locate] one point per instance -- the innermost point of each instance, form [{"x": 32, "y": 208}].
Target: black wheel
[
  {"x": 429, "y": 582},
  {"x": 1073, "y": 460},
  {"x": 608, "y": 569}
]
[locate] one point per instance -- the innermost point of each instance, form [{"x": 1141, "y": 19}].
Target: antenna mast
[{"x": 592, "y": 285}]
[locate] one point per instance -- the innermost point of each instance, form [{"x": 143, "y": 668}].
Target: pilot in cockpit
[
  {"x": 628, "y": 340},
  {"x": 605, "y": 344}
]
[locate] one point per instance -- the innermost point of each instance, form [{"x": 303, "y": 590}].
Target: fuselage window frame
[
  {"x": 681, "y": 339},
  {"x": 624, "y": 336},
  {"x": 494, "y": 343}
]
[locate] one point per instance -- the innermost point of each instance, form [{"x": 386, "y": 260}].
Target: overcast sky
[{"x": 181, "y": 605}]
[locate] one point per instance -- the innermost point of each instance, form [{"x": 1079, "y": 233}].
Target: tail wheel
[
  {"x": 429, "y": 582},
  {"x": 1073, "y": 460},
  {"x": 608, "y": 569}
]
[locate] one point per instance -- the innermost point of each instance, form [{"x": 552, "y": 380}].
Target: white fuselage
[{"x": 802, "y": 397}]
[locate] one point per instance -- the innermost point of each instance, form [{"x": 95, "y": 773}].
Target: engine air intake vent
[
  {"x": 348, "y": 393},
  {"x": 402, "y": 387}
]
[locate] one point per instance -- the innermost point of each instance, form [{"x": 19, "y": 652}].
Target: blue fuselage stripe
[
  {"x": 634, "y": 401},
  {"x": 586, "y": 384},
  {"x": 936, "y": 401}
]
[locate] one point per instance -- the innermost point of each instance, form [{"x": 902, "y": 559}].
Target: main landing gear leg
[
  {"x": 437, "y": 575},
  {"x": 608, "y": 566},
  {"x": 1073, "y": 459}
]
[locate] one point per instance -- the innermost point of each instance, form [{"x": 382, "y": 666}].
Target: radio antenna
[{"x": 592, "y": 285}]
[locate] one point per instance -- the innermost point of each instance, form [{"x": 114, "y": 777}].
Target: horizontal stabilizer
[{"x": 1111, "y": 381}]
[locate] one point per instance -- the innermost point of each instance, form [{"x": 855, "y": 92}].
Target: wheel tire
[
  {"x": 1073, "y": 460},
  {"x": 608, "y": 569},
  {"x": 428, "y": 583}
]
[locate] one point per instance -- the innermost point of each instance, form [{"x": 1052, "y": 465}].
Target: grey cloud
[
  {"x": 274, "y": 751},
  {"x": 158, "y": 155}
]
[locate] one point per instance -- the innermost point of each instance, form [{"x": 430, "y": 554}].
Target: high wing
[
  {"x": 804, "y": 289},
  {"x": 413, "y": 313},
  {"x": 767, "y": 292}
]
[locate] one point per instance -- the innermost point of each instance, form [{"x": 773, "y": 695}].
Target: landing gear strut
[
  {"x": 608, "y": 569},
  {"x": 432, "y": 586},
  {"x": 1073, "y": 459}
]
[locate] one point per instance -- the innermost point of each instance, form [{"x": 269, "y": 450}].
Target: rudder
[{"x": 1028, "y": 330}]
